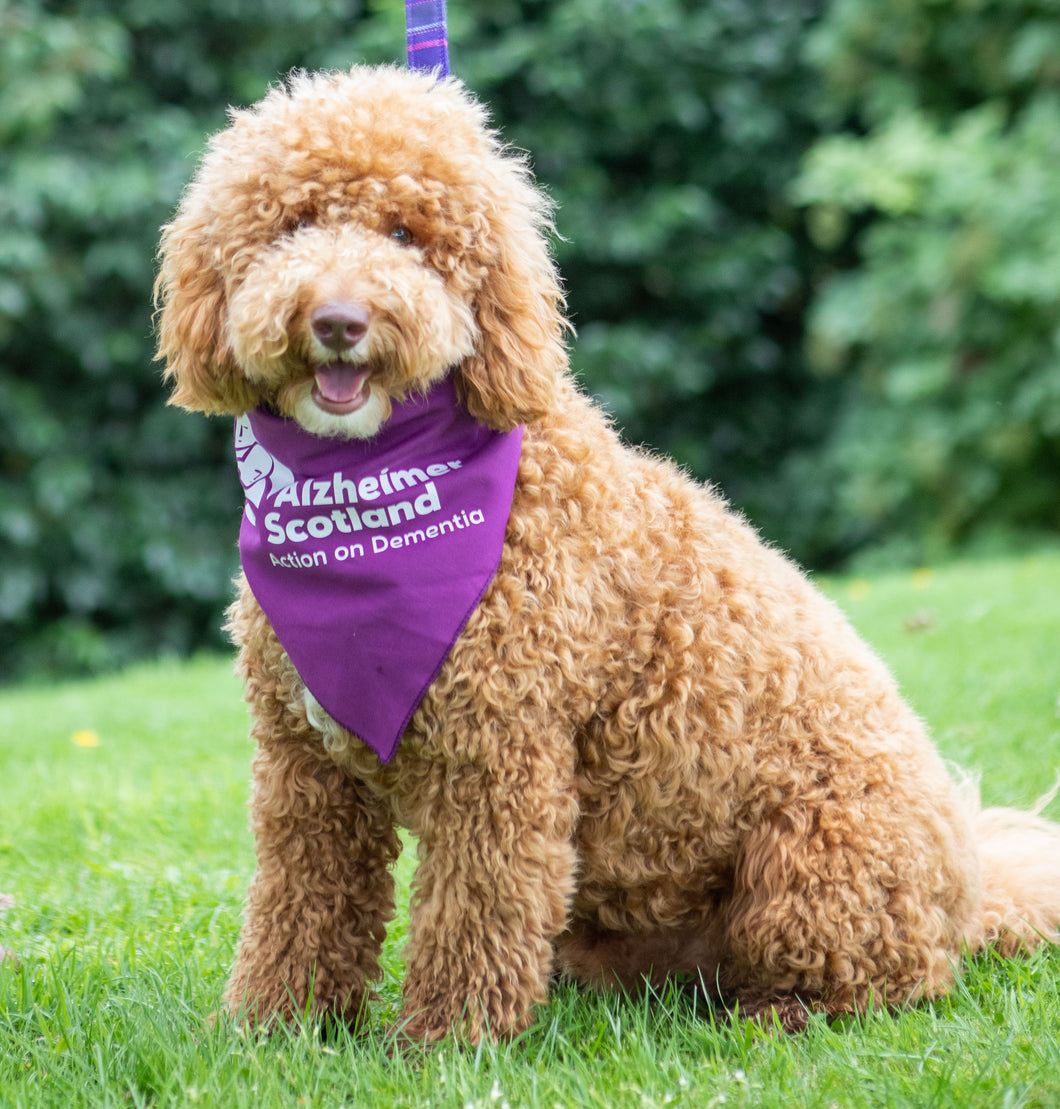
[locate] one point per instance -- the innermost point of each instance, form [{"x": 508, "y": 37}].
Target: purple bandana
[{"x": 369, "y": 556}]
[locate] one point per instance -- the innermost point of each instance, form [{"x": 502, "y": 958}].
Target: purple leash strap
[{"x": 426, "y": 35}]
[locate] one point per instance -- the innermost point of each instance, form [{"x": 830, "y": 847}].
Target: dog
[{"x": 654, "y": 748}]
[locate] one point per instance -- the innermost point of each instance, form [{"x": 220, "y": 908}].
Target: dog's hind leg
[
  {"x": 836, "y": 915},
  {"x": 492, "y": 890},
  {"x": 320, "y": 897}
]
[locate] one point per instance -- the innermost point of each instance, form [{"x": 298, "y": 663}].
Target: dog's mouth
[{"x": 342, "y": 387}]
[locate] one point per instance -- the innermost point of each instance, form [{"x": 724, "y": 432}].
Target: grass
[{"x": 124, "y": 849}]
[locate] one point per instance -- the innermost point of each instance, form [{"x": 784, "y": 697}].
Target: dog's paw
[
  {"x": 414, "y": 1037},
  {"x": 418, "y": 1031},
  {"x": 782, "y": 1013}
]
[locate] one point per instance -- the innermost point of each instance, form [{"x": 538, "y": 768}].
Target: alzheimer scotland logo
[{"x": 359, "y": 515}]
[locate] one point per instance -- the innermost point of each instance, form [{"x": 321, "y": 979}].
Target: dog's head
[{"x": 353, "y": 238}]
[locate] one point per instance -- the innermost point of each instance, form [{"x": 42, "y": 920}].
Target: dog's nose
[{"x": 340, "y": 325}]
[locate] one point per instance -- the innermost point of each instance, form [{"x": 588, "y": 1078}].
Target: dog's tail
[{"x": 1020, "y": 865}]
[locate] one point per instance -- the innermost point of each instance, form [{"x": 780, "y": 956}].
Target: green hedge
[
  {"x": 788, "y": 260},
  {"x": 945, "y": 334}
]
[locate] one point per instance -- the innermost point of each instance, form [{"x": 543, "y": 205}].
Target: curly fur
[{"x": 656, "y": 748}]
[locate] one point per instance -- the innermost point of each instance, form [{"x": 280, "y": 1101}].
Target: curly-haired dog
[{"x": 655, "y": 748}]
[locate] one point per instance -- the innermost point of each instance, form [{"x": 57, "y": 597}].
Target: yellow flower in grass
[
  {"x": 85, "y": 739},
  {"x": 858, "y": 589}
]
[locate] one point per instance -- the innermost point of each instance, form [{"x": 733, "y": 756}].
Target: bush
[
  {"x": 917, "y": 245},
  {"x": 945, "y": 331},
  {"x": 666, "y": 131},
  {"x": 117, "y": 516}
]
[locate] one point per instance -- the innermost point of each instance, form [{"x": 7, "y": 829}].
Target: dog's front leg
[
  {"x": 322, "y": 891},
  {"x": 492, "y": 890}
]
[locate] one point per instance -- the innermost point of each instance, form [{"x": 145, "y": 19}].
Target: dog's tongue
[{"x": 339, "y": 382}]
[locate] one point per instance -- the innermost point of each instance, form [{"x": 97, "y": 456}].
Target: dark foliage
[{"x": 848, "y": 363}]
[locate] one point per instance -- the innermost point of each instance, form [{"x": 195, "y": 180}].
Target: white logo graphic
[{"x": 259, "y": 472}]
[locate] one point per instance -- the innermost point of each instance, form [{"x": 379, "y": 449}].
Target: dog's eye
[{"x": 402, "y": 236}]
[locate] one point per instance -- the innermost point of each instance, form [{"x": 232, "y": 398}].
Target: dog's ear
[
  {"x": 190, "y": 304},
  {"x": 520, "y": 355}
]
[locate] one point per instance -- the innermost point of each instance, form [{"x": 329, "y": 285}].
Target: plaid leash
[{"x": 427, "y": 36}]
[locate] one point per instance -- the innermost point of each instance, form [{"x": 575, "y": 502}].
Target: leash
[{"x": 426, "y": 35}]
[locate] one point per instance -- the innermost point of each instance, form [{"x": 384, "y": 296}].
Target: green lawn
[{"x": 124, "y": 857}]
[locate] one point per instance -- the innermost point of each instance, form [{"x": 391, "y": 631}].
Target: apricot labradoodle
[{"x": 653, "y": 748}]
